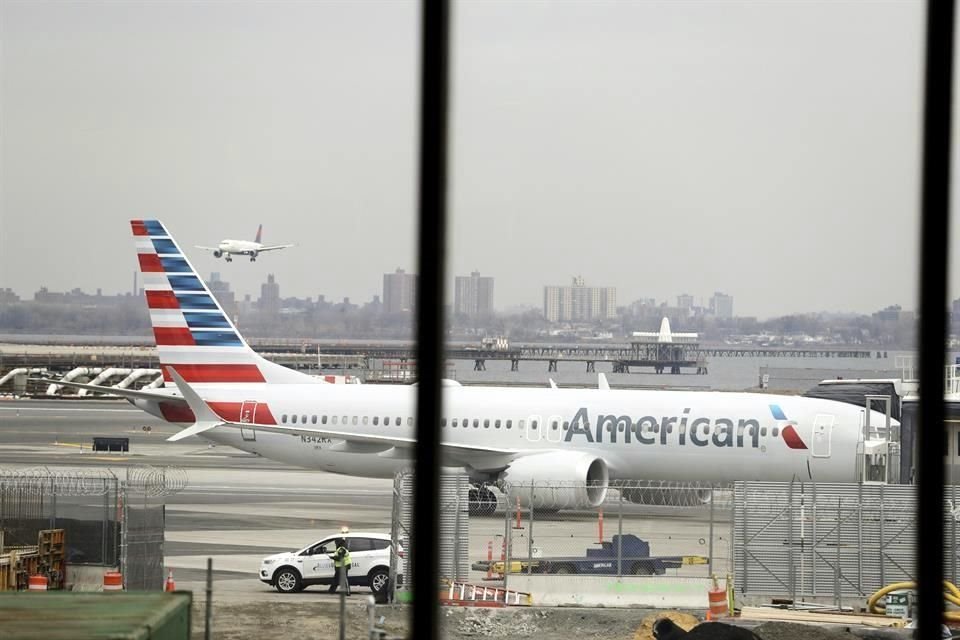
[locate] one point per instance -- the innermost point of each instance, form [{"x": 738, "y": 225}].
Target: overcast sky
[{"x": 765, "y": 149}]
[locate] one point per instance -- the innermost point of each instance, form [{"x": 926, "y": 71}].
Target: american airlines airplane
[
  {"x": 588, "y": 439},
  {"x": 230, "y": 248}
]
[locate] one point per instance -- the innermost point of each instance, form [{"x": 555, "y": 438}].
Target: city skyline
[{"x": 764, "y": 156}]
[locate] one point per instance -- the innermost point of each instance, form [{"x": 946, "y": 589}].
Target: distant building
[
  {"x": 685, "y": 301},
  {"x": 721, "y": 305},
  {"x": 8, "y": 296},
  {"x": 221, "y": 291},
  {"x": 473, "y": 295},
  {"x": 269, "y": 301},
  {"x": 399, "y": 291},
  {"x": 894, "y": 314},
  {"x": 579, "y": 303}
]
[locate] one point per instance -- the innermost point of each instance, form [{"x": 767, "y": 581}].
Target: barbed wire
[{"x": 152, "y": 481}]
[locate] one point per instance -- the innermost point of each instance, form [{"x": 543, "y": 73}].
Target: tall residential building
[
  {"x": 399, "y": 291},
  {"x": 721, "y": 305},
  {"x": 221, "y": 291},
  {"x": 579, "y": 303},
  {"x": 473, "y": 295},
  {"x": 269, "y": 301}
]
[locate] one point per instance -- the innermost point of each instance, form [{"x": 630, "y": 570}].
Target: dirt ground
[{"x": 320, "y": 619}]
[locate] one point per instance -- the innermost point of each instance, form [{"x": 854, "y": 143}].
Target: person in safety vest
[{"x": 341, "y": 565}]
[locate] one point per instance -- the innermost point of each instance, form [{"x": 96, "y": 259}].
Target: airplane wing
[
  {"x": 272, "y": 247},
  {"x": 482, "y": 458},
  {"x": 134, "y": 394},
  {"x": 206, "y": 248}
]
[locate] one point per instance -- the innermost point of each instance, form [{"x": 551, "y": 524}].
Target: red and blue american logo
[{"x": 788, "y": 430}]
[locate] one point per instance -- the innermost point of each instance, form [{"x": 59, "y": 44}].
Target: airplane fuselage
[{"x": 648, "y": 435}]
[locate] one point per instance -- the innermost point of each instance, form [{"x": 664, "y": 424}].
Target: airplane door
[
  {"x": 248, "y": 415},
  {"x": 822, "y": 432}
]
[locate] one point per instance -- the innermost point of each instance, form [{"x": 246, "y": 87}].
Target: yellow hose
[{"x": 951, "y": 594}]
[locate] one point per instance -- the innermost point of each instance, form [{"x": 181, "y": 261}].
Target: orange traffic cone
[{"x": 170, "y": 585}]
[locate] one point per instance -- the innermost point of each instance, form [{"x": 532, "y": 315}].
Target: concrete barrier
[{"x": 601, "y": 591}]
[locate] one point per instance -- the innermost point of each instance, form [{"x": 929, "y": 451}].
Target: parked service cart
[{"x": 635, "y": 559}]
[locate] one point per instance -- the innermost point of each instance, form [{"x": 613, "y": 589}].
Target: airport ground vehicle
[
  {"x": 635, "y": 559},
  {"x": 293, "y": 571}
]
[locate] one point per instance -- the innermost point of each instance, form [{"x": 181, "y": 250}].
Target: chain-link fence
[
  {"x": 830, "y": 540},
  {"x": 109, "y": 520},
  {"x": 598, "y": 539}
]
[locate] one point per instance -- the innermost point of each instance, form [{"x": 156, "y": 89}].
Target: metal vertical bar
[
  {"x": 710, "y": 547},
  {"x": 934, "y": 235},
  {"x": 620, "y": 533},
  {"x": 792, "y": 573},
  {"x": 432, "y": 257},
  {"x": 530, "y": 541},
  {"x": 860, "y": 537},
  {"x": 208, "y": 613}
]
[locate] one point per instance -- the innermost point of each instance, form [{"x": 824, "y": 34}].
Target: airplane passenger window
[
  {"x": 443, "y": 422},
  {"x": 303, "y": 419},
  {"x": 763, "y": 431},
  {"x": 521, "y": 424},
  {"x": 354, "y": 420},
  {"x": 376, "y": 420},
  {"x": 293, "y": 419},
  {"x": 533, "y": 424},
  {"x": 566, "y": 425},
  {"x": 313, "y": 419},
  {"x": 454, "y": 422},
  {"x": 386, "y": 421},
  {"x": 365, "y": 419},
  {"x": 486, "y": 424},
  {"x": 283, "y": 418},
  {"x": 334, "y": 419},
  {"x": 409, "y": 422},
  {"x": 345, "y": 421},
  {"x": 398, "y": 422},
  {"x": 323, "y": 420},
  {"x": 620, "y": 429},
  {"x": 555, "y": 425},
  {"x": 774, "y": 432},
  {"x": 509, "y": 424},
  {"x": 496, "y": 424}
]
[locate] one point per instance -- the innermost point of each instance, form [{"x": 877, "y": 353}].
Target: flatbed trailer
[{"x": 635, "y": 559}]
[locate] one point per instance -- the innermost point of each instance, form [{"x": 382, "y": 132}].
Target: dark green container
[{"x": 47, "y": 615}]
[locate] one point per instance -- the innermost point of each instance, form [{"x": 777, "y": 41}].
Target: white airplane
[
  {"x": 588, "y": 439},
  {"x": 229, "y": 248}
]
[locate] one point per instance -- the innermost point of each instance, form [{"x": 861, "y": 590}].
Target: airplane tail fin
[
  {"x": 192, "y": 332},
  {"x": 259, "y": 234}
]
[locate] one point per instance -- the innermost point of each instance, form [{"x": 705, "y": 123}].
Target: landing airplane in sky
[
  {"x": 587, "y": 438},
  {"x": 230, "y": 248}
]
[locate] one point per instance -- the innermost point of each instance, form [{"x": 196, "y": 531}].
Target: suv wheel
[
  {"x": 287, "y": 580},
  {"x": 379, "y": 581}
]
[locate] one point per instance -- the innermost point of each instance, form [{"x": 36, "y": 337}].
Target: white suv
[{"x": 369, "y": 558}]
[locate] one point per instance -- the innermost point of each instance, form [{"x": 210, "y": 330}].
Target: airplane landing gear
[
  {"x": 228, "y": 258},
  {"x": 483, "y": 502},
  {"x": 253, "y": 258}
]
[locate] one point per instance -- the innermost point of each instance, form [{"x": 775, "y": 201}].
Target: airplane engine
[
  {"x": 557, "y": 480},
  {"x": 217, "y": 253}
]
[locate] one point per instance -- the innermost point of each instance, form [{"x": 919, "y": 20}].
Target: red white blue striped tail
[{"x": 192, "y": 332}]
